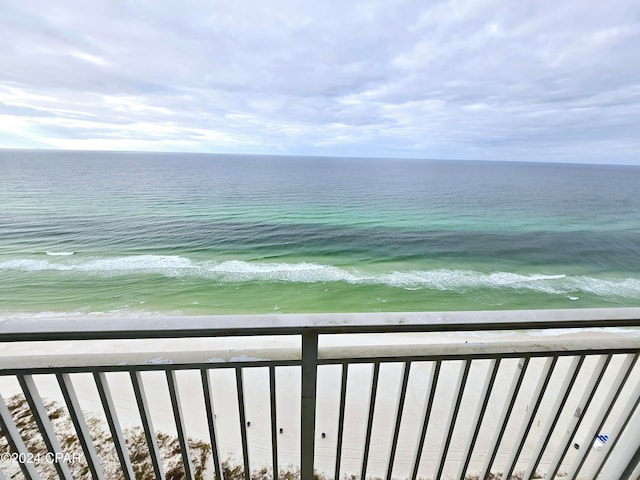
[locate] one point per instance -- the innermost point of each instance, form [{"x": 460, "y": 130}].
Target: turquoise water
[{"x": 137, "y": 234}]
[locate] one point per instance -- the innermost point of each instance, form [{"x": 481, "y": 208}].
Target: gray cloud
[{"x": 443, "y": 79}]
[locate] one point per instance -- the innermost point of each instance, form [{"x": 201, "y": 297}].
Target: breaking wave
[{"x": 238, "y": 271}]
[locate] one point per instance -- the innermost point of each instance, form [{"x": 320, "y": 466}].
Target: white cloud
[
  {"x": 87, "y": 57},
  {"x": 465, "y": 79}
]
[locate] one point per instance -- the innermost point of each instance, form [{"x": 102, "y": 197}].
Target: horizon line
[{"x": 349, "y": 157}]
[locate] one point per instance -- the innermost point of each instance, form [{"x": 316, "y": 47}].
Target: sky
[{"x": 468, "y": 79}]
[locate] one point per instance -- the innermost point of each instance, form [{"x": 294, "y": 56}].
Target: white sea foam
[
  {"x": 237, "y": 271},
  {"x": 83, "y": 314},
  {"x": 170, "y": 265},
  {"x": 27, "y": 265},
  {"x": 59, "y": 254},
  {"x": 163, "y": 264},
  {"x": 443, "y": 279}
]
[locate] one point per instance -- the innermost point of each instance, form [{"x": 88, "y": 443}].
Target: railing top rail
[
  {"x": 593, "y": 344},
  {"x": 25, "y": 329}
]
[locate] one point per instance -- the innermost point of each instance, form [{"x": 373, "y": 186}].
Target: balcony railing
[{"x": 505, "y": 394}]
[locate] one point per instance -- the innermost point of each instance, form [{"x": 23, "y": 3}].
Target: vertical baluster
[
  {"x": 243, "y": 424},
  {"x": 556, "y": 410},
  {"x": 632, "y": 465},
  {"x": 114, "y": 425},
  {"x": 406, "y": 367},
  {"x": 15, "y": 441},
  {"x": 576, "y": 419},
  {"x": 211, "y": 420},
  {"x": 453, "y": 415},
  {"x": 178, "y": 416},
  {"x": 426, "y": 415},
  {"x": 372, "y": 407},
  {"x": 618, "y": 429},
  {"x": 485, "y": 394},
  {"x": 45, "y": 428},
  {"x": 511, "y": 396},
  {"x": 147, "y": 424},
  {"x": 77, "y": 417},
  {"x": 614, "y": 392},
  {"x": 274, "y": 421},
  {"x": 343, "y": 399},
  {"x": 541, "y": 387}
]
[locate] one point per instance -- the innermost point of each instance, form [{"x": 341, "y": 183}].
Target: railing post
[{"x": 308, "y": 402}]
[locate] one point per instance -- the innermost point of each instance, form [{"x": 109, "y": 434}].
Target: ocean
[{"x": 106, "y": 233}]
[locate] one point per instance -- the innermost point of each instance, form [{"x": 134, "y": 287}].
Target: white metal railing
[{"x": 473, "y": 393}]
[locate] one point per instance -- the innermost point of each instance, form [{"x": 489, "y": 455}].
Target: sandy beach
[{"x": 256, "y": 385}]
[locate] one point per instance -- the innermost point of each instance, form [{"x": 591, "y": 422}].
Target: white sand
[{"x": 288, "y": 403}]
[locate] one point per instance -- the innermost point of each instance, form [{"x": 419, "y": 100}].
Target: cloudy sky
[{"x": 469, "y": 79}]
